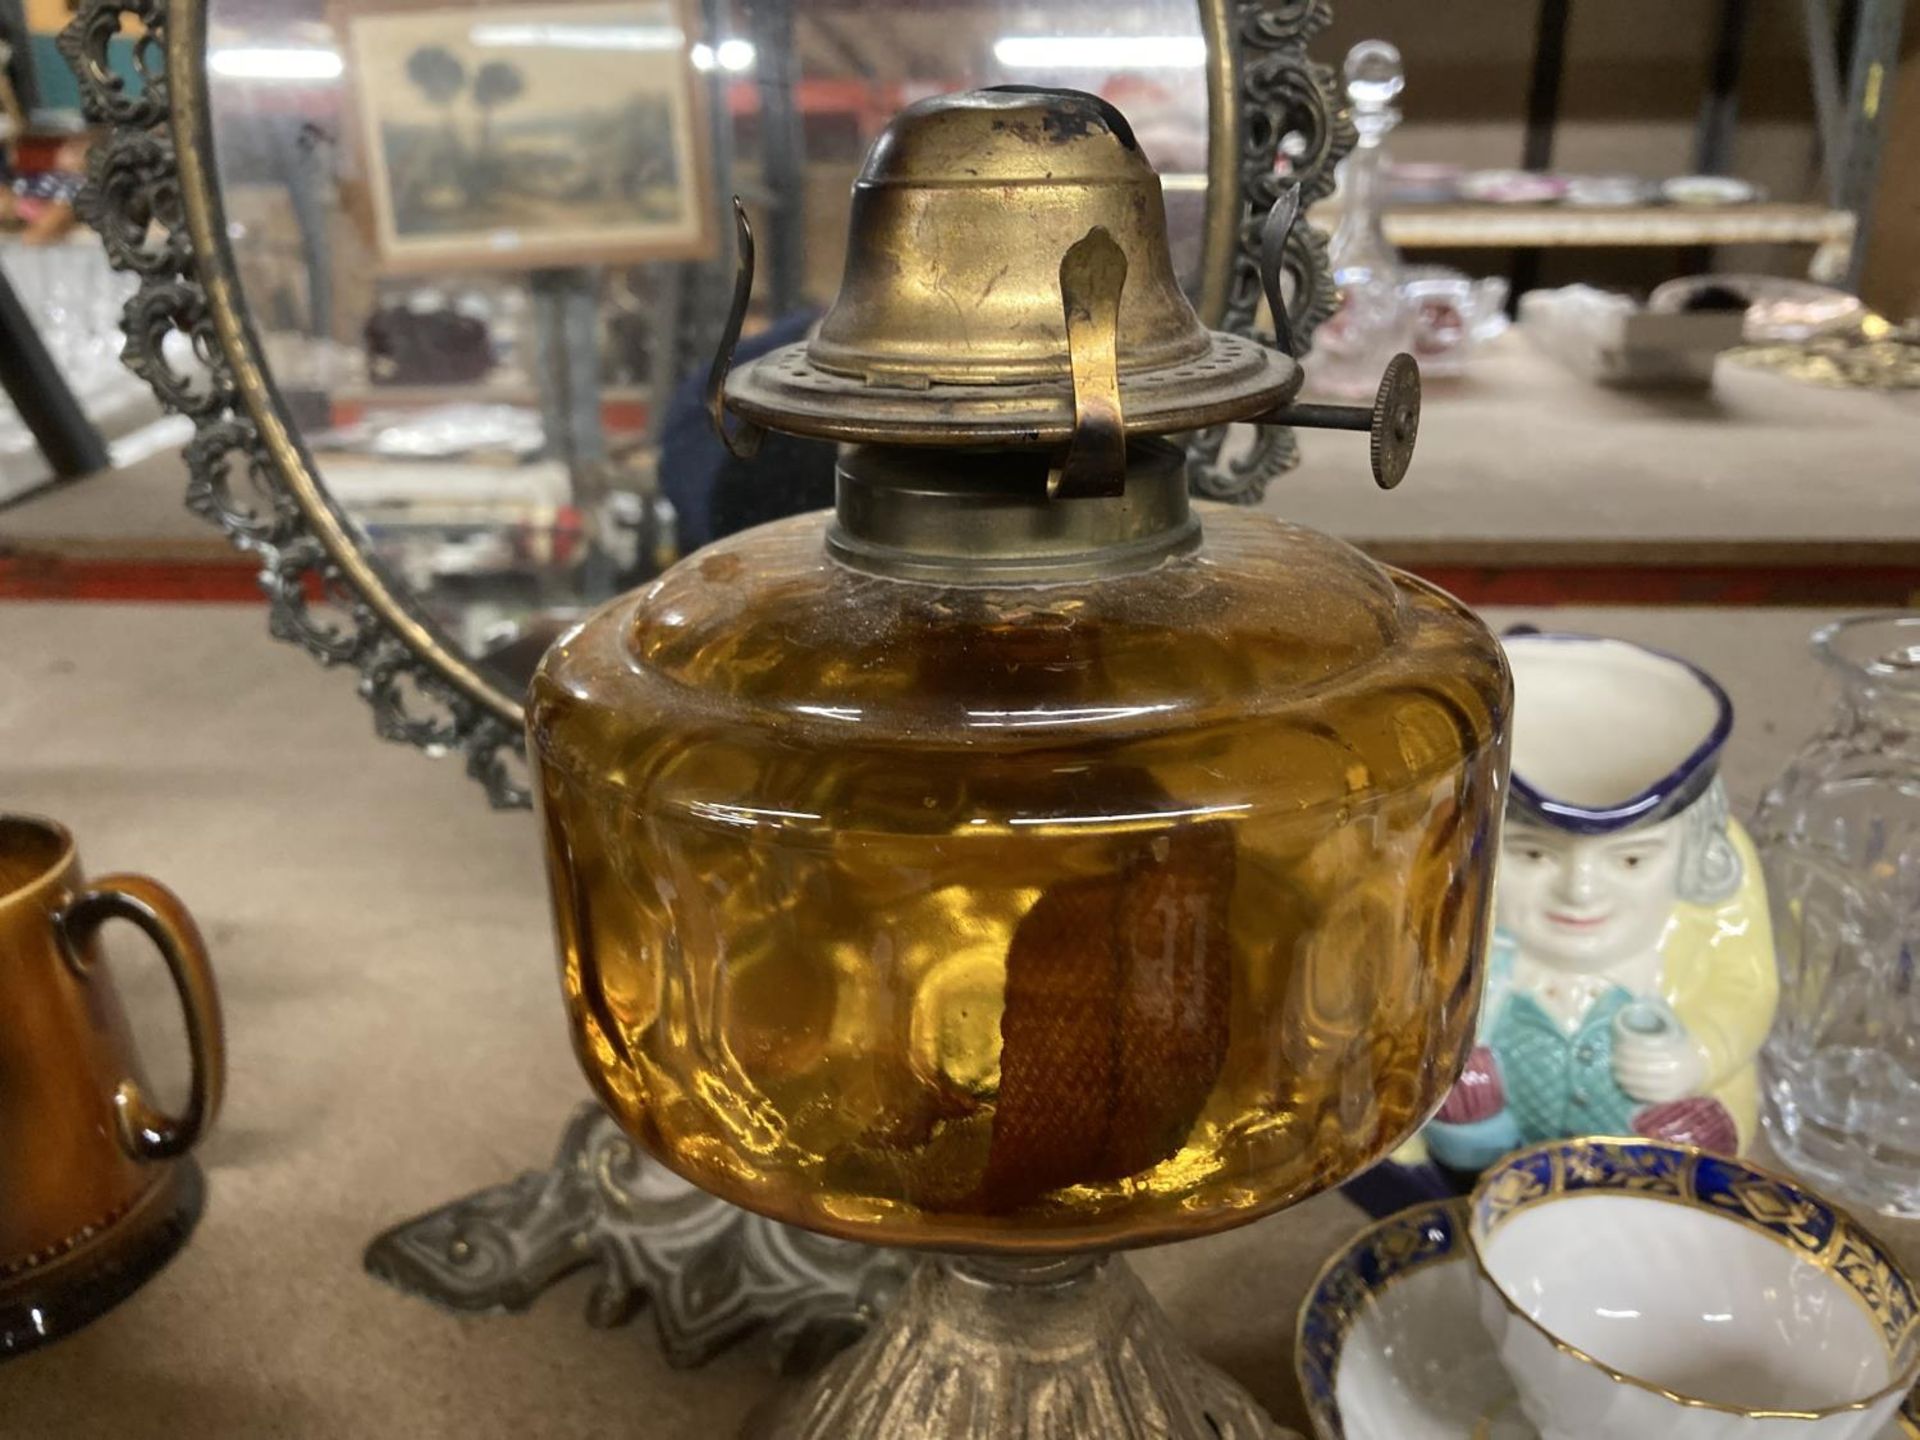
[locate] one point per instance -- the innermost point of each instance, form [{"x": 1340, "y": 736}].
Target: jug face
[
  {"x": 1578, "y": 902},
  {"x": 98, "y": 1193},
  {"x": 1616, "y": 749}
]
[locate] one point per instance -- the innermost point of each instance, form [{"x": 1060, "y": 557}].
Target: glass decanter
[
  {"x": 1839, "y": 833},
  {"x": 1018, "y": 861},
  {"x": 1373, "y": 321}
]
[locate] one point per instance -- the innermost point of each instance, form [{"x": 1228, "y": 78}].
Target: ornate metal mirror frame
[{"x": 711, "y": 1272}]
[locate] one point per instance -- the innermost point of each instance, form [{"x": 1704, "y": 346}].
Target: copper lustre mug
[{"x": 96, "y": 1190}]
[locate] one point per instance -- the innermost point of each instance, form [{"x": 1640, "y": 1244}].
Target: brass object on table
[
  {"x": 1874, "y": 355},
  {"x": 99, "y": 1191},
  {"x": 1017, "y": 863}
]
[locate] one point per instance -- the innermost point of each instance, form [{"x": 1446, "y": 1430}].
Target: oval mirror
[
  {"x": 461, "y": 270},
  {"x": 483, "y": 254}
]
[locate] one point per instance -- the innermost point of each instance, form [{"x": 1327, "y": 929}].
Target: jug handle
[{"x": 146, "y": 1132}]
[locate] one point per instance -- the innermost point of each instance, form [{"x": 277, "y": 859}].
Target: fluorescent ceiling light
[
  {"x": 263, "y": 62},
  {"x": 579, "y": 37},
  {"x": 1100, "y": 52},
  {"x": 734, "y": 55}
]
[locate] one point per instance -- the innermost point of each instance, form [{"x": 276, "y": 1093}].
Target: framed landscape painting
[{"x": 530, "y": 135}]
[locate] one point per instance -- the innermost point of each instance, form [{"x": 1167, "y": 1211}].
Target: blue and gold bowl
[{"x": 1635, "y": 1288}]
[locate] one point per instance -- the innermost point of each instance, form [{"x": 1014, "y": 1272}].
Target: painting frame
[{"x": 523, "y": 215}]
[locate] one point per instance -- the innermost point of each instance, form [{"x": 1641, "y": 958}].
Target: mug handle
[{"x": 147, "y": 1133}]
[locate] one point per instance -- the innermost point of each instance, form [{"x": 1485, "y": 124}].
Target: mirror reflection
[{"x": 486, "y": 253}]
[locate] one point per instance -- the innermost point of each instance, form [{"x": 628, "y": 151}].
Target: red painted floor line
[
  {"x": 1855, "y": 587},
  {"x": 42, "y": 577}
]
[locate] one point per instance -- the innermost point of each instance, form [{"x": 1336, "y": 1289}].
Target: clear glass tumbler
[{"x": 1840, "y": 833}]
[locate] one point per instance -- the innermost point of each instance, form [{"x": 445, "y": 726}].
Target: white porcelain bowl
[{"x": 1636, "y": 1289}]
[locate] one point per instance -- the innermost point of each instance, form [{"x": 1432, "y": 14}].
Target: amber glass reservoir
[{"x": 1039, "y": 913}]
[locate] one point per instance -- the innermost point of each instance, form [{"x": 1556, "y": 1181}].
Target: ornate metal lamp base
[
  {"x": 979, "y": 1348},
  {"x": 712, "y": 1272}
]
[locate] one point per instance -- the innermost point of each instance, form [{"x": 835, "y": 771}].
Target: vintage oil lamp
[{"x": 1019, "y": 864}]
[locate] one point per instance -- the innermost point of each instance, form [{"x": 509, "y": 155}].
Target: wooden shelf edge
[{"x": 1421, "y": 227}]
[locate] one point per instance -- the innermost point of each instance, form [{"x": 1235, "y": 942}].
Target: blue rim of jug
[{"x": 1667, "y": 796}]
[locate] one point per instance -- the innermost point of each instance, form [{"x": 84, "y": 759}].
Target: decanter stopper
[{"x": 1375, "y": 78}]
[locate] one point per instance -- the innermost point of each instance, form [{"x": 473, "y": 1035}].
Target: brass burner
[{"x": 951, "y": 324}]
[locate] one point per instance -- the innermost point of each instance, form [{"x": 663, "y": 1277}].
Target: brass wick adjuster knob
[{"x": 1393, "y": 420}]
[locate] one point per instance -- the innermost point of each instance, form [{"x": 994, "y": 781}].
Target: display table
[
  {"x": 1523, "y": 466},
  {"x": 1763, "y": 487},
  {"x": 395, "y": 1033}
]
